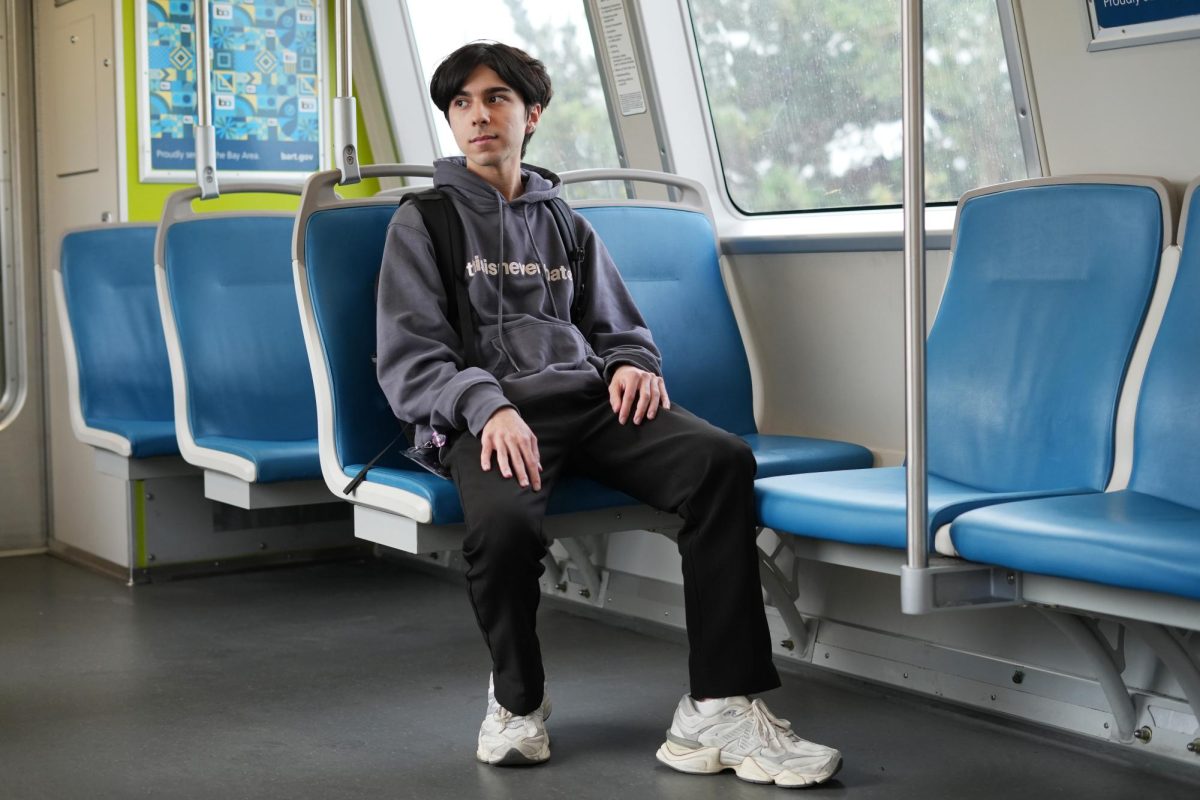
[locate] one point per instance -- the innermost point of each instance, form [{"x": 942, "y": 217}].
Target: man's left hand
[{"x": 637, "y": 391}]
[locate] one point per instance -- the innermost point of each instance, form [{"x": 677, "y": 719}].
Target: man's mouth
[{"x": 485, "y": 138}]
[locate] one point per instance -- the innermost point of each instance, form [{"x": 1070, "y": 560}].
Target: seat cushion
[
  {"x": 147, "y": 438},
  {"x": 275, "y": 460},
  {"x": 775, "y": 454},
  {"x": 788, "y": 455},
  {"x": 866, "y": 506},
  {"x": 573, "y": 493},
  {"x": 1127, "y": 539}
]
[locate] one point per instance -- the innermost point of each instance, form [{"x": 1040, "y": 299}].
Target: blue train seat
[
  {"x": 339, "y": 250},
  {"x": 118, "y": 377},
  {"x": 1050, "y": 282},
  {"x": 244, "y": 404},
  {"x": 1147, "y": 535}
]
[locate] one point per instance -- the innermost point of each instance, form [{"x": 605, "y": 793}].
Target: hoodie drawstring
[
  {"x": 537, "y": 251},
  {"x": 500, "y": 302}
]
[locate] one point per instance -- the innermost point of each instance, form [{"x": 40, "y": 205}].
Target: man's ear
[{"x": 532, "y": 115}]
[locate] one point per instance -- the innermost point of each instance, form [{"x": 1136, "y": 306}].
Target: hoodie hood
[{"x": 452, "y": 174}]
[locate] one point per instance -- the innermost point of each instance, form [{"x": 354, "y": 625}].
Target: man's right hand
[{"x": 508, "y": 437}]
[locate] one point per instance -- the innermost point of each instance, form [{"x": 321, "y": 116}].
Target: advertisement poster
[{"x": 268, "y": 97}]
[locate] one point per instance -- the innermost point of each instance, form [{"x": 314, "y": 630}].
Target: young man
[{"x": 586, "y": 394}]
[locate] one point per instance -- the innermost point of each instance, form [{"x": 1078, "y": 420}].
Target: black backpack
[{"x": 445, "y": 228}]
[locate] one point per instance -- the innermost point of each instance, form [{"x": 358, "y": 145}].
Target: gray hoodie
[{"x": 520, "y": 286}]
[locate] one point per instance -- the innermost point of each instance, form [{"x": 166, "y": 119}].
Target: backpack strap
[
  {"x": 575, "y": 253},
  {"x": 446, "y": 232},
  {"x": 361, "y": 475}
]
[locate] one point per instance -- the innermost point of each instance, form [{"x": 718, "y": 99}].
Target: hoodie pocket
[{"x": 534, "y": 346}]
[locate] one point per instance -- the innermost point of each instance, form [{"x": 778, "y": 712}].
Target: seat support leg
[
  {"x": 1174, "y": 657},
  {"x": 1108, "y": 670},
  {"x": 785, "y": 604},
  {"x": 583, "y": 562},
  {"x": 783, "y": 591},
  {"x": 553, "y": 571}
]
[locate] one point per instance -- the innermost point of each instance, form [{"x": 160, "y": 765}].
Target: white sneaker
[
  {"x": 746, "y": 737},
  {"x": 507, "y": 739}
]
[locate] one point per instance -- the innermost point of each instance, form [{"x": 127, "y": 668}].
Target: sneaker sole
[
  {"x": 707, "y": 761},
  {"x": 514, "y": 758}
]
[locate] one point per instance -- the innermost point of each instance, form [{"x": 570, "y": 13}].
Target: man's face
[{"x": 489, "y": 120}]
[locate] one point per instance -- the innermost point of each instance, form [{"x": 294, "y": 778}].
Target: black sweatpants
[{"x": 675, "y": 462}]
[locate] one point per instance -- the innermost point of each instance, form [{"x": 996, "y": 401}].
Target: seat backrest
[
  {"x": 1048, "y": 288},
  {"x": 343, "y": 250},
  {"x": 1166, "y": 453},
  {"x": 230, "y": 283},
  {"x": 668, "y": 258},
  {"x": 108, "y": 285}
]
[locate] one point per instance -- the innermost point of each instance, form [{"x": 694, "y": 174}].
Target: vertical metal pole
[
  {"x": 203, "y": 133},
  {"x": 345, "y": 131},
  {"x": 914, "y": 282}
]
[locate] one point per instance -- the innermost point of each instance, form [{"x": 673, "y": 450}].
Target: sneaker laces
[
  {"x": 509, "y": 720},
  {"x": 771, "y": 728}
]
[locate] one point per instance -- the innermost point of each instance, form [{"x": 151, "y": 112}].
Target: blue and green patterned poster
[{"x": 267, "y": 93}]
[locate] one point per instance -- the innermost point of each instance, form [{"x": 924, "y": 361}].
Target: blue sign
[{"x": 1122, "y": 13}]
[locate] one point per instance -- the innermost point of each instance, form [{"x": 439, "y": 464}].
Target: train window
[
  {"x": 576, "y": 133},
  {"x": 805, "y": 98}
]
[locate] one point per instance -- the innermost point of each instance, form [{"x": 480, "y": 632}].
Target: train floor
[{"x": 367, "y": 680}]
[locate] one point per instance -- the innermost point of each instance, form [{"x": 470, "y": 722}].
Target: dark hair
[{"x": 518, "y": 69}]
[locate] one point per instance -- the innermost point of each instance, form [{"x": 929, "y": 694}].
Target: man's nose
[{"x": 481, "y": 114}]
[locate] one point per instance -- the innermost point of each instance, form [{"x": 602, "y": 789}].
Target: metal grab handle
[
  {"x": 320, "y": 191},
  {"x": 397, "y": 171},
  {"x": 345, "y": 108},
  {"x": 320, "y": 188},
  {"x": 179, "y": 207},
  {"x": 179, "y": 203},
  {"x": 204, "y": 134},
  {"x": 692, "y": 192}
]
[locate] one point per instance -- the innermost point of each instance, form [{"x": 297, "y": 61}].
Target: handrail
[
  {"x": 179, "y": 207},
  {"x": 203, "y": 132},
  {"x": 914, "y": 286},
  {"x": 692, "y": 191},
  {"x": 345, "y": 107},
  {"x": 179, "y": 203},
  {"x": 320, "y": 191}
]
